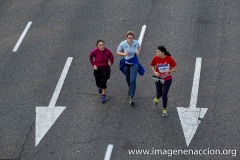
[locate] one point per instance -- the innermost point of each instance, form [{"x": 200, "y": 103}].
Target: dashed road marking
[
  {"x": 108, "y": 152},
  {"x": 22, "y": 36}
]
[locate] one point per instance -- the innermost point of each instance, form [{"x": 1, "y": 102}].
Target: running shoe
[
  {"x": 131, "y": 101},
  {"x": 155, "y": 101},
  {"x": 164, "y": 112},
  {"x": 104, "y": 99}
]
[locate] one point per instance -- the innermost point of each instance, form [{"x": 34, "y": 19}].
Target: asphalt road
[{"x": 209, "y": 29}]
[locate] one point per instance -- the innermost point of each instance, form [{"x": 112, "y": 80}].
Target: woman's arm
[
  {"x": 122, "y": 53},
  {"x": 110, "y": 59},
  {"x": 154, "y": 71},
  {"x": 120, "y": 50},
  {"x": 138, "y": 50},
  {"x": 173, "y": 69},
  {"x": 92, "y": 61}
]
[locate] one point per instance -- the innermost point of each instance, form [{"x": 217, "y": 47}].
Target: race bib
[{"x": 163, "y": 69}]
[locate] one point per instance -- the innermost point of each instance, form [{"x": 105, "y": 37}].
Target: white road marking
[
  {"x": 195, "y": 86},
  {"x": 22, "y": 36},
  {"x": 189, "y": 116},
  {"x": 45, "y": 118},
  {"x": 60, "y": 83},
  {"x": 108, "y": 152},
  {"x": 47, "y": 115},
  {"x": 142, "y": 34}
]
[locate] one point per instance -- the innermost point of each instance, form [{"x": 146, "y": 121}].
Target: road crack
[{"x": 27, "y": 137}]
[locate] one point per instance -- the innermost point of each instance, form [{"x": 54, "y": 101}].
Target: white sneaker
[{"x": 131, "y": 101}]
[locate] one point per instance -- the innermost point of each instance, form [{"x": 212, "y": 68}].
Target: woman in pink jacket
[{"x": 101, "y": 59}]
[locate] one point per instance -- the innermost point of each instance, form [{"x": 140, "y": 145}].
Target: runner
[
  {"x": 129, "y": 49},
  {"x": 163, "y": 65},
  {"x": 101, "y": 59}
]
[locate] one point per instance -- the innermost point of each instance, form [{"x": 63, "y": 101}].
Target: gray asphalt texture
[{"x": 189, "y": 29}]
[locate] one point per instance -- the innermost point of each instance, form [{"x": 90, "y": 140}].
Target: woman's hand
[
  {"x": 95, "y": 67},
  {"x": 172, "y": 70},
  {"x": 109, "y": 63},
  {"x": 125, "y": 53},
  {"x": 156, "y": 73},
  {"x": 122, "y": 53}
]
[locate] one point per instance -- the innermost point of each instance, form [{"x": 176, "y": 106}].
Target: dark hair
[
  {"x": 164, "y": 50},
  {"x": 100, "y": 40}
]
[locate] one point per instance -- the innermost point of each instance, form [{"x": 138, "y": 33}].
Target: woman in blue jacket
[{"x": 130, "y": 49}]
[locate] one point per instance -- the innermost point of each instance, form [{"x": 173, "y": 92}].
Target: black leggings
[
  {"x": 101, "y": 77},
  {"x": 162, "y": 91}
]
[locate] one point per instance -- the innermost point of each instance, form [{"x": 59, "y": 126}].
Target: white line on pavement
[
  {"x": 109, "y": 152},
  {"x": 60, "y": 83},
  {"x": 22, "y": 36},
  {"x": 195, "y": 86},
  {"x": 142, "y": 34}
]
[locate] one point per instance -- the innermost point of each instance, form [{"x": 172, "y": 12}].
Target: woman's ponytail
[
  {"x": 167, "y": 53},
  {"x": 163, "y": 49}
]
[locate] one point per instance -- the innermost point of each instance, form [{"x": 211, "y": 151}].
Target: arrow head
[
  {"x": 45, "y": 118},
  {"x": 189, "y": 118}
]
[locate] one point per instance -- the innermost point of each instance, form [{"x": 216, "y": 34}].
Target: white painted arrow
[
  {"x": 47, "y": 115},
  {"x": 190, "y": 116}
]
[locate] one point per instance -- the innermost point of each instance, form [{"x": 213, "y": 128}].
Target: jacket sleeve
[
  {"x": 91, "y": 58},
  {"x": 110, "y": 56}
]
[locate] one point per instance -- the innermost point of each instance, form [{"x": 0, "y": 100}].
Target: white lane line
[
  {"x": 195, "y": 85},
  {"x": 142, "y": 34},
  {"x": 60, "y": 83},
  {"x": 109, "y": 152},
  {"x": 22, "y": 36}
]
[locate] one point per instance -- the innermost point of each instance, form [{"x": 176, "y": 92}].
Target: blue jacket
[{"x": 133, "y": 60}]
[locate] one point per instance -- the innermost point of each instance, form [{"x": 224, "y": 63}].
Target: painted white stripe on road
[
  {"x": 60, "y": 83},
  {"x": 109, "y": 152},
  {"x": 142, "y": 34},
  {"x": 195, "y": 86},
  {"x": 22, "y": 36}
]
